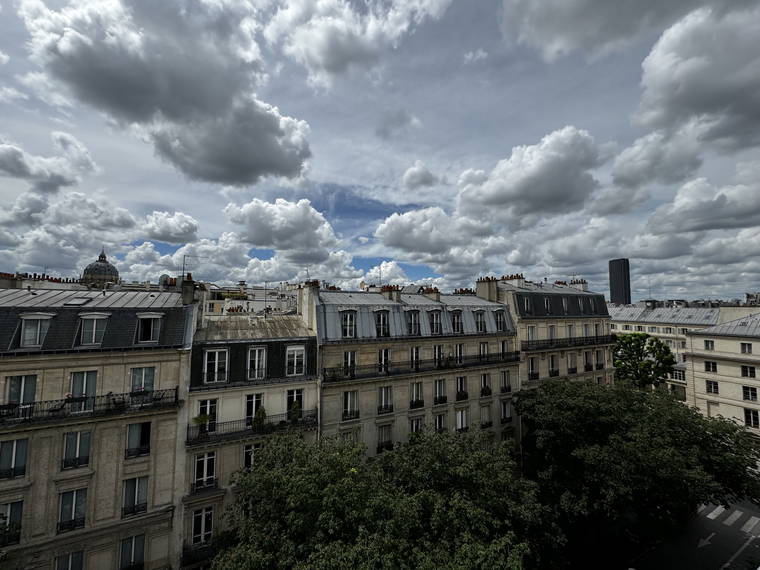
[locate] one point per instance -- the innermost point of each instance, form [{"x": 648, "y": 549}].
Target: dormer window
[
  {"x": 501, "y": 321},
  {"x": 527, "y": 305},
  {"x": 480, "y": 321},
  {"x": 92, "y": 329},
  {"x": 148, "y": 327},
  {"x": 564, "y": 304},
  {"x": 456, "y": 322},
  {"x": 413, "y": 322},
  {"x": 381, "y": 324},
  {"x": 34, "y": 326},
  {"x": 348, "y": 324},
  {"x": 435, "y": 322},
  {"x": 547, "y": 305}
]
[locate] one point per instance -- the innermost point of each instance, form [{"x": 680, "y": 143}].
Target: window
[
  {"x": 748, "y": 371},
  {"x": 257, "y": 362},
  {"x": 350, "y": 404},
  {"x": 203, "y": 525},
  {"x": 440, "y": 389},
  {"x": 148, "y": 329},
  {"x": 639, "y": 328},
  {"x": 132, "y": 552},
  {"x": 531, "y": 332},
  {"x": 598, "y": 329},
  {"x": 483, "y": 349},
  {"x": 570, "y": 331},
  {"x": 652, "y": 329},
  {"x": 709, "y": 345},
  {"x": 572, "y": 363},
  {"x": 438, "y": 354},
  {"x": 679, "y": 375},
  {"x": 505, "y": 382},
  {"x": 599, "y": 359},
  {"x": 613, "y": 326},
  {"x": 415, "y": 393},
  {"x": 135, "y": 496},
  {"x": 485, "y": 381},
  {"x": 143, "y": 379},
  {"x": 552, "y": 332},
  {"x": 626, "y": 327},
  {"x": 384, "y": 434},
  {"x": 10, "y": 522},
  {"x": 501, "y": 321},
  {"x": 749, "y": 393},
  {"x": 207, "y": 408},
  {"x": 294, "y": 403},
  {"x": 459, "y": 353},
  {"x": 414, "y": 357},
  {"x": 480, "y": 321},
  {"x": 587, "y": 329},
  {"x": 413, "y": 322},
  {"x": 70, "y": 561},
  {"x": 553, "y": 365},
  {"x": 295, "y": 357},
  {"x": 439, "y": 421},
  {"x": 415, "y": 425},
  {"x": 485, "y": 416},
  {"x": 527, "y": 305},
  {"x": 746, "y": 348},
  {"x": 435, "y": 322},
  {"x": 249, "y": 452},
  {"x": 73, "y": 508},
  {"x": 667, "y": 330},
  {"x": 92, "y": 330},
  {"x": 76, "y": 449},
  {"x": 461, "y": 419},
  {"x": 532, "y": 367},
  {"x": 381, "y": 324},
  {"x": 682, "y": 344},
  {"x": 547, "y": 306},
  {"x": 215, "y": 366},
  {"x": 205, "y": 470},
  {"x": 385, "y": 399},
  {"x": 506, "y": 411},
  {"x": 13, "y": 454},
  {"x": 504, "y": 348},
  {"x": 456, "y": 322},
  {"x": 33, "y": 330},
  {"x": 564, "y": 305},
  {"x": 138, "y": 440},
  {"x": 83, "y": 386},
  {"x": 253, "y": 402},
  {"x": 383, "y": 359},
  {"x": 711, "y": 366},
  {"x": 348, "y": 324},
  {"x": 461, "y": 384},
  {"x": 349, "y": 363},
  {"x": 751, "y": 418},
  {"x": 22, "y": 389},
  {"x": 711, "y": 386}
]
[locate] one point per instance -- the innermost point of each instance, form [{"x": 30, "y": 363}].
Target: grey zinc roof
[
  {"x": 745, "y": 327},
  {"x": 664, "y": 315},
  {"x": 548, "y": 288},
  {"x": 86, "y": 300},
  {"x": 244, "y": 327},
  {"x": 353, "y": 298},
  {"x": 469, "y": 301}
]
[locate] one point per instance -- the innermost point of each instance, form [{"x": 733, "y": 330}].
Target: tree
[
  {"x": 642, "y": 360},
  {"x": 441, "y": 501},
  {"x": 621, "y": 467}
]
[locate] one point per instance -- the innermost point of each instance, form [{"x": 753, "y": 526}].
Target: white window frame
[
  {"x": 413, "y": 322},
  {"x": 382, "y": 324},
  {"x": 416, "y": 391},
  {"x": 434, "y": 318},
  {"x": 94, "y": 337},
  {"x": 138, "y": 373},
  {"x": 480, "y": 321},
  {"x": 461, "y": 419},
  {"x": 456, "y": 322},
  {"x": 295, "y": 350},
  {"x": 204, "y": 460},
  {"x": 132, "y": 541},
  {"x": 348, "y": 324},
  {"x": 41, "y": 322},
  {"x": 206, "y": 517},
  {"x": 257, "y": 355},
  {"x": 155, "y": 331},
  {"x": 746, "y": 347}
]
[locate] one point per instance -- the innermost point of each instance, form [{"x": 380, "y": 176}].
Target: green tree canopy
[
  {"x": 623, "y": 466},
  {"x": 442, "y": 501},
  {"x": 642, "y": 360}
]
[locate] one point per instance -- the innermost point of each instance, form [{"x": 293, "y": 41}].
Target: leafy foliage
[
  {"x": 623, "y": 466},
  {"x": 642, "y": 360},
  {"x": 442, "y": 501}
]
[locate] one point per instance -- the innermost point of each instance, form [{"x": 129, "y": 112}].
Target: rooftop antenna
[
  {"x": 649, "y": 280},
  {"x": 184, "y": 258}
]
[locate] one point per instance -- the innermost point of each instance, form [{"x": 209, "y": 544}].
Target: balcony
[
  {"x": 74, "y": 462},
  {"x": 438, "y": 400},
  {"x": 250, "y": 426},
  {"x": 553, "y": 373},
  {"x": 349, "y": 415},
  {"x": 130, "y": 510},
  {"x": 71, "y": 524},
  {"x": 139, "y": 451},
  {"x": 554, "y": 343},
  {"x": 78, "y": 407},
  {"x": 532, "y": 376},
  {"x": 600, "y": 365},
  {"x": 11, "y": 535},
  {"x": 588, "y": 367},
  {"x": 462, "y": 395},
  {"x": 505, "y": 389},
  {"x": 204, "y": 485},
  {"x": 506, "y": 420},
  {"x": 343, "y": 373},
  {"x": 12, "y": 472},
  {"x": 384, "y": 446},
  {"x": 486, "y": 425},
  {"x": 415, "y": 404},
  {"x": 253, "y": 378},
  {"x": 572, "y": 370},
  {"x": 193, "y": 554},
  {"x": 485, "y": 391},
  {"x": 384, "y": 409}
]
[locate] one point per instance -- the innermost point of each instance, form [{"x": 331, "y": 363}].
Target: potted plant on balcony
[
  {"x": 294, "y": 414},
  {"x": 259, "y": 419},
  {"x": 202, "y": 421}
]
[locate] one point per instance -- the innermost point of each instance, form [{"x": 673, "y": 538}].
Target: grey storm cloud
[{"x": 185, "y": 75}]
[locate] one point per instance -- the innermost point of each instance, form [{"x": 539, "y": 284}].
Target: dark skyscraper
[{"x": 620, "y": 282}]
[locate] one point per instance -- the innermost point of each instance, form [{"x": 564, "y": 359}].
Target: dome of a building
[{"x": 100, "y": 272}]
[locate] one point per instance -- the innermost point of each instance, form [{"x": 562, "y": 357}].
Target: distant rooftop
[
  {"x": 51, "y": 298},
  {"x": 245, "y": 327},
  {"x": 748, "y": 326},
  {"x": 665, "y": 315}
]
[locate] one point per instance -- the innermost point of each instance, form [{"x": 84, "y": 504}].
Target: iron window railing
[
  {"x": 205, "y": 484},
  {"x": 462, "y": 395},
  {"x": 12, "y": 472},
  {"x": 588, "y": 367},
  {"x": 350, "y": 415},
  {"x": 385, "y": 408},
  {"x": 88, "y": 406},
  {"x": 532, "y": 375},
  {"x": 341, "y": 373},
  {"x": 10, "y": 535},
  {"x": 139, "y": 451},
  {"x": 438, "y": 400},
  {"x": 74, "y": 462},
  {"x": 130, "y": 510},
  {"x": 252, "y": 426},
  {"x": 414, "y": 404},
  {"x": 71, "y": 524},
  {"x": 554, "y": 372},
  {"x": 550, "y": 343},
  {"x": 485, "y": 391}
]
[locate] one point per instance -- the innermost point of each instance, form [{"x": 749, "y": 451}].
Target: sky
[{"x": 424, "y": 141}]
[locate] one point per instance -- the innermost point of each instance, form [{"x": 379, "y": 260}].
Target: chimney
[
  {"x": 486, "y": 288},
  {"x": 307, "y": 302},
  {"x": 188, "y": 290},
  {"x": 432, "y": 293},
  {"x": 580, "y": 284},
  {"x": 392, "y": 292},
  {"x": 241, "y": 286}
]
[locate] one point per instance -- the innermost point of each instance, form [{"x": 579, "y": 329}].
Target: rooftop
[
  {"x": 665, "y": 315},
  {"x": 745, "y": 327},
  {"x": 245, "y": 327},
  {"x": 52, "y": 298}
]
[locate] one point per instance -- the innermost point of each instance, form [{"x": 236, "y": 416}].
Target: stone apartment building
[
  {"x": 394, "y": 362},
  {"x": 563, "y": 329},
  {"x": 92, "y": 384},
  {"x": 251, "y": 376},
  {"x": 722, "y": 370}
]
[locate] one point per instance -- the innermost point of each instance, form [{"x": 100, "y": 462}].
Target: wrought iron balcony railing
[
  {"x": 554, "y": 372},
  {"x": 138, "y": 451},
  {"x": 136, "y": 509},
  {"x": 551, "y": 343},
  {"x": 414, "y": 404},
  {"x": 205, "y": 484},
  {"x": 485, "y": 391},
  {"x": 10, "y": 535},
  {"x": 532, "y": 375},
  {"x": 74, "y": 462},
  {"x": 438, "y": 400},
  {"x": 87, "y": 406},
  {"x": 385, "y": 408},
  {"x": 342, "y": 373},
  {"x": 350, "y": 415},
  {"x": 11, "y": 472},
  {"x": 71, "y": 524},
  {"x": 462, "y": 395},
  {"x": 237, "y": 428},
  {"x": 588, "y": 367}
]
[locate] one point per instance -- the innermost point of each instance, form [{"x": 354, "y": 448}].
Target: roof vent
[{"x": 77, "y": 302}]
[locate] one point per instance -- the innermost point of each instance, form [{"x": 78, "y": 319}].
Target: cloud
[
  {"x": 176, "y": 227},
  {"x": 679, "y": 77},
  {"x": 396, "y": 123},
  {"x": 298, "y": 231},
  {"x": 48, "y": 174},
  {"x": 475, "y": 56},
  {"x": 418, "y": 175},
  {"x": 551, "y": 177},
  {"x": 4, "y": 58},
  {"x": 10, "y": 94},
  {"x": 186, "y": 76}
]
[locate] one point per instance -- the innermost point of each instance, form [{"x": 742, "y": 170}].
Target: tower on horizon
[{"x": 620, "y": 282}]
